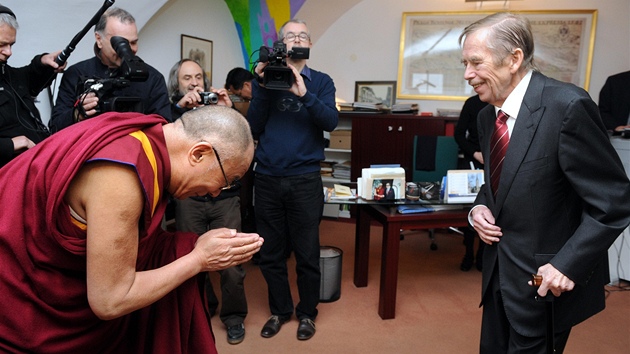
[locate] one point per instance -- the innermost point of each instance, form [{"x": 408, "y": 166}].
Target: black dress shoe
[
  {"x": 236, "y": 334},
  {"x": 306, "y": 329},
  {"x": 272, "y": 327},
  {"x": 467, "y": 263}
]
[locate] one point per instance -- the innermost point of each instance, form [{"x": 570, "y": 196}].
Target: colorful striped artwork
[{"x": 258, "y": 21}]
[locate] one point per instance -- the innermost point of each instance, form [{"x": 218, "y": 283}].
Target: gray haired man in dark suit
[{"x": 560, "y": 195}]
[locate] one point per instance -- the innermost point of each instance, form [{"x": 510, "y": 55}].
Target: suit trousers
[
  {"x": 497, "y": 334},
  {"x": 198, "y": 217},
  {"x": 290, "y": 208}
]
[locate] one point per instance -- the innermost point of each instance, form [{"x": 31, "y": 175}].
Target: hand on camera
[
  {"x": 191, "y": 99},
  {"x": 224, "y": 97},
  {"x": 89, "y": 103},
  {"x": 259, "y": 72},
  {"x": 298, "y": 88}
]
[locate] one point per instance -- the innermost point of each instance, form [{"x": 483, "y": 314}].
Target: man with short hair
[
  {"x": 74, "y": 103},
  {"x": 289, "y": 126},
  {"x": 84, "y": 261},
  {"x": 21, "y": 126},
  {"x": 555, "y": 196},
  {"x": 239, "y": 82}
]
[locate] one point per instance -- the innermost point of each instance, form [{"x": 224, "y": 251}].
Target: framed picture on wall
[
  {"x": 375, "y": 92},
  {"x": 429, "y": 61},
  {"x": 200, "y": 50}
]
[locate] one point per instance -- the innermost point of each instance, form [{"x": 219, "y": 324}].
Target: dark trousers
[
  {"x": 198, "y": 217},
  {"x": 290, "y": 208},
  {"x": 499, "y": 337}
]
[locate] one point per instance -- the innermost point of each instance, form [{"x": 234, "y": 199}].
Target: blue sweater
[{"x": 290, "y": 129}]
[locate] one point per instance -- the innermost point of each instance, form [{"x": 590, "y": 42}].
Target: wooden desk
[{"x": 392, "y": 223}]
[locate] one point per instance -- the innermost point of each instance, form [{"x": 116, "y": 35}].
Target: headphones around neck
[{"x": 6, "y": 10}]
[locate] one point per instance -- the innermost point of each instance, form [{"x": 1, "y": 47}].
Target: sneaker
[{"x": 236, "y": 334}]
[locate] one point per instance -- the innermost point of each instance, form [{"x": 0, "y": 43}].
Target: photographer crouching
[{"x": 115, "y": 79}]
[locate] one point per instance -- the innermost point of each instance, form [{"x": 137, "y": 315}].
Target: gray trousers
[{"x": 198, "y": 217}]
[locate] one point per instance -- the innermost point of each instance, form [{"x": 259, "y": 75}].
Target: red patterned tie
[{"x": 500, "y": 139}]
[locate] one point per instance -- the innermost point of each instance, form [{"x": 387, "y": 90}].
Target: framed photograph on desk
[
  {"x": 429, "y": 62},
  {"x": 375, "y": 92}
]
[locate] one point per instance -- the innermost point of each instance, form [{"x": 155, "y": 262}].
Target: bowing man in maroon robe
[{"x": 84, "y": 262}]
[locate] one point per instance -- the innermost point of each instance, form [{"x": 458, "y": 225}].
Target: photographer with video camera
[
  {"x": 292, "y": 105},
  {"x": 21, "y": 126},
  {"x": 115, "y": 79}
]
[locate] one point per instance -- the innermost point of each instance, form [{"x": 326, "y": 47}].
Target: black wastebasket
[{"x": 330, "y": 260}]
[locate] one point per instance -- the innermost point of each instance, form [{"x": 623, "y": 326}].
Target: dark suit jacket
[
  {"x": 465, "y": 133},
  {"x": 562, "y": 199},
  {"x": 614, "y": 100}
]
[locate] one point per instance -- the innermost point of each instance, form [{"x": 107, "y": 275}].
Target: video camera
[
  {"x": 278, "y": 75},
  {"x": 132, "y": 68}
]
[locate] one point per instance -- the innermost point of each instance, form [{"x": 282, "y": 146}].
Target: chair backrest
[{"x": 446, "y": 151}]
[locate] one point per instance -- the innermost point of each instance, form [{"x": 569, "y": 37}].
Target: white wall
[
  {"x": 160, "y": 39},
  {"x": 361, "y": 45}
]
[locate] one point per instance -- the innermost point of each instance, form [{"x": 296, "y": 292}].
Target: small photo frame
[
  {"x": 375, "y": 92},
  {"x": 200, "y": 50}
]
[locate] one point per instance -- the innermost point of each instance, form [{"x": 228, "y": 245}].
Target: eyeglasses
[
  {"x": 303, "y": 36},
  {"x": 227, "y": 183}
]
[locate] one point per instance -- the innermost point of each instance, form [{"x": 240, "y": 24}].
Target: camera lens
[
  {"x": 121, "y": 46},
  {"x": 208, "y": 98}
]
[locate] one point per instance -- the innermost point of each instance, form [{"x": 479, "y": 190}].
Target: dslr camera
[
  {"x": 278, "y": 76},
  {"x": 132, "y": 68},
  {"x": 208, "y": 98}
]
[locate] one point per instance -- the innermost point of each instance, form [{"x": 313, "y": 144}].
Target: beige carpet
[{"x": 436, "y": 312}]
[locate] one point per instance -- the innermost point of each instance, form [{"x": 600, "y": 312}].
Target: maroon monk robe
[{"x": 42, "y": 252}]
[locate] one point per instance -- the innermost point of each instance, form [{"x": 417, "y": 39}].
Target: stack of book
[
  {"x": 364, "y": 107},
  {"x": 345, "y": 106},
  {"x": 444, "y": 112},
  {"x": 326, "y": 168},
  {"x": 341, "y": 170},
  {"x": 339, "y": 192},
  {"x": 411, "y": 108}
]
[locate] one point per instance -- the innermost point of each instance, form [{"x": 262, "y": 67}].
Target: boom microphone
[{"x": 63, "y": 56}]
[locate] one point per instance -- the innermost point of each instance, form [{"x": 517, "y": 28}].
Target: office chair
[{"x": 433, "y": 156}]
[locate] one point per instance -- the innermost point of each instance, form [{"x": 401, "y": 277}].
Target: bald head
[
  {"x": 224, "y": 127},
  {"x": 197, "y": 139}
]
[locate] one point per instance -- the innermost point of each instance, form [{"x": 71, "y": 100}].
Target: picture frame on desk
[
  {"x": 199, "y": 50},
  {"x": 375, "y": 92},
  {"x": 429, "y": 64}
]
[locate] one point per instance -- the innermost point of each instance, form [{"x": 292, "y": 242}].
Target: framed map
[{"x": 429, "y": 63}]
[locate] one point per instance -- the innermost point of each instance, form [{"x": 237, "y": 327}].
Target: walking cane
[{"x": 548, "y": 299}]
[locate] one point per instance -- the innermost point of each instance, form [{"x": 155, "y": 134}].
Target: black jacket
[
  {"x": 152, "y": 93},
  {"x": 614, "y": 100},
  {"x": 18, "y": 113}
]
